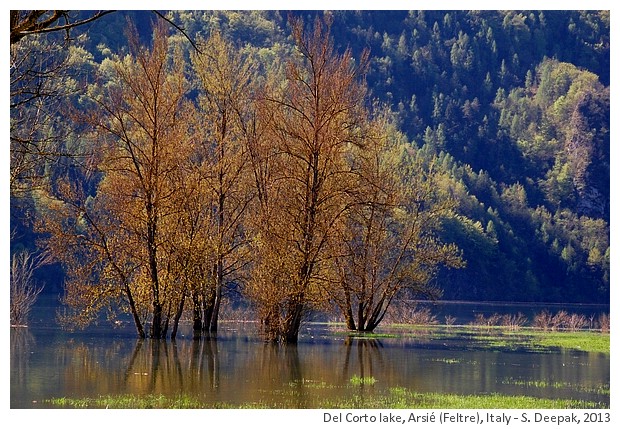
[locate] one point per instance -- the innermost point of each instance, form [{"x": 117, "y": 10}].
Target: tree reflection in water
[{"x": 238, "y": 369}]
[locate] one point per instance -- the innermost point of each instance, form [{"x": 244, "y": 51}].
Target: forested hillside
[
  {"x": 509, "y": 110},
  {"x": 516, "y": 106}
]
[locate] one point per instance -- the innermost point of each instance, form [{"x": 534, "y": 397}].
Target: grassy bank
[
  {"x": 496, "y": 337},
  {"x": 585, "y": 341}
]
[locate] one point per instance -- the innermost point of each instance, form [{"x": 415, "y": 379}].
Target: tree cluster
[
  {"x": 208, "y": 169},
  {"x": 288, "y": 180}
]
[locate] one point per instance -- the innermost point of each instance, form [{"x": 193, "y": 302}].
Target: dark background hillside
[{"x": 515, "y": 105}]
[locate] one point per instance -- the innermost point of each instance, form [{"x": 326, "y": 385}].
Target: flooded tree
[
  {"x": 273, "y": 177},
  {"x": 225, "y": 98},
  {"x": 389, "y": 244},
  {"x": 315, "y": 116},
  {"x": 114, "y": 239}
]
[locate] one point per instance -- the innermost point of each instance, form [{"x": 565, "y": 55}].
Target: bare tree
[
  {"x": 31, "y": 22},
  {"x": 24, "y": 288}
]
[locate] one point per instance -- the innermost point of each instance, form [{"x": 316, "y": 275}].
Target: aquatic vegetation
[
  {"x": 129, "y": 401},
  {"x": 541, "y": 384},
  {"x": 448, "y": 361},
  {"x": 394, "y": 398},
  {"x": 356, "y": 380},
  {"x": 502, "y": 338}
]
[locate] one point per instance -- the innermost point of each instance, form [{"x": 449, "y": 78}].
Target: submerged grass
[
  {"x": 356, "y": 380},
  {"x": 395, "y": 398},
  {"x": 130, "y": 401},
  {"x": 542, "y": 384}
]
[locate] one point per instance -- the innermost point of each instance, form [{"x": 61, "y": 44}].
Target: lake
[{"x": 238, "y": 368}]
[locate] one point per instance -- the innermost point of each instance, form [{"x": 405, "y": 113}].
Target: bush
[
  {"x": 411, "y": 314},
  {"x": 450, "y": 320},
  {"x": 514, "y": 321},
  {"x": 24, "y": 289},
  {"x": 543, "y": 320},
  {"x": 576, "y": 322},
  {"x": 603, "y": 322},
  {"x": 562, "y": 320},
  {"x": 492, "y": 320}
]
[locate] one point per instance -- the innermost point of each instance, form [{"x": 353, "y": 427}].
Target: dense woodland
[{"x": 333, "y": 161}]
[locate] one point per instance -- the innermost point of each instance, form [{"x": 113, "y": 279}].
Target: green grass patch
[
  {"x": 543, "y": 384},
  {"x": 496, "y": 337},
  {"x": 129, "y": 401},
  {"x": 371, "y": 335},
  {"x": 394, "y": 398},
  {"x": 585, "y": 341},
  {"x": 356, "y": 380},
  {"x": 403, "y": 398}
]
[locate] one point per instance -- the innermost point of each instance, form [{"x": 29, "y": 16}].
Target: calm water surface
[{"x": 238, "y": 368}]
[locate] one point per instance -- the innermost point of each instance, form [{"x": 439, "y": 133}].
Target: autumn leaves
[{"x": 213, "y": 168}]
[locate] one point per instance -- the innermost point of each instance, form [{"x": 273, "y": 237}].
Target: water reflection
[
  {"x": 238, "y": 369},
  {"x": 22, "y": 341}
]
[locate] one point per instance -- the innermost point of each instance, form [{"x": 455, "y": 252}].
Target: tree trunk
[
  {"x": 157, "y": 321},
  {"x": 134, "y": 312},
  {"x": 291, "y": 328},
  {"x": 347, "y": 310},
  {"x": 164, "y": 329},
  {"x": 156, "y": 328},
  {"x": 350, "y": 321},
  {"x": 361, "y": 318},
  {"x": 197, "y": 325},
  {"x": 219, "y": 266},
  {"x": 208, "y": 305},
  {"x": 219, "y": 285},
  {"x": 177, "y": 317}
]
